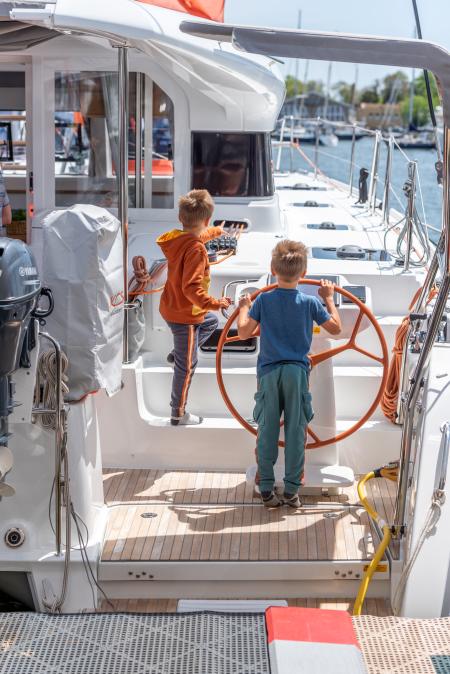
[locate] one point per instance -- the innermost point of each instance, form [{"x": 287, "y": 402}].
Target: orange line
[{"x": 189, "y": 367}]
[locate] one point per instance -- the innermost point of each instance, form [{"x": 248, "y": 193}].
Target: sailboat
[{"x": 127, "y": 543}]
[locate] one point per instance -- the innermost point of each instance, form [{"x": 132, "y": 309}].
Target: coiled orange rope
[
  {"x": 389, "y": 400},
  {"x": 142, "y": 278}
]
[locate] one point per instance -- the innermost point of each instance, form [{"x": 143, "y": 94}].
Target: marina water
[{"x": 335, "y": 163}]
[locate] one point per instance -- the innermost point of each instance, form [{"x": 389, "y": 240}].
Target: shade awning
[
  {"x": 16, "y": 36},
  {"x": 321, "y": 46}
]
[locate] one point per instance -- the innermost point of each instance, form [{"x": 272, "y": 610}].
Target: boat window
[
  {"x": 87, "y": 141},
  {"x": 232, "y": 164},
  {"x": 12, "y": 121}
]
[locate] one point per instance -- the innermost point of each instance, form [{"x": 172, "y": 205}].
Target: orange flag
[{"x": 206, "y": 9}]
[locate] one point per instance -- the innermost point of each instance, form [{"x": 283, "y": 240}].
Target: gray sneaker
[
  {"x": 186, "y": 420},
  {"x": 292, "y": 500},
  {"x": 270, "y": 499}
]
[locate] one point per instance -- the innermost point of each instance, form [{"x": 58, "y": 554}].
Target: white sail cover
[{"x": 82, "y": 263}]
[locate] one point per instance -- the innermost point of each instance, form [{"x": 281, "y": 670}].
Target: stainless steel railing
[
  {"x": 60, "y": 422},
  {"x": 410, "y": 399},
  {"x": 287, "y": 130}
]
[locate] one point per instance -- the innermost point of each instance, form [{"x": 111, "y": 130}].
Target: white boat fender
[{"x": 312, "y": 641}]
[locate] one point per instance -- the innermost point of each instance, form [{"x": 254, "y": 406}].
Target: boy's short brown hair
[
  {"x": 194, "y": 207},
  {"x": 289, "y": 259}
]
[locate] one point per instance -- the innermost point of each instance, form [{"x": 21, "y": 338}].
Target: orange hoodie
[{"x": 185, "y": 297}]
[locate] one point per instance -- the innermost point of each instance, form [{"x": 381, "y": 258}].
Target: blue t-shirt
[{"x": 286, "y": 318}]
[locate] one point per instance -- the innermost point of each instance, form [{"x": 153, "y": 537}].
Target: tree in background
[
  {"x": 395, "y": 87},
  {"x": 295, "y": 87},
  {"x": 420, "y": 112},
  {"x": 420, "y": 89},
  {"x": 344, "y": 92},
  {"x": 370, "y": 95}
]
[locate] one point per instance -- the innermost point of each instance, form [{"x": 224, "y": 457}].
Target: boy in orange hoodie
[{"x": 185, "y": 303}]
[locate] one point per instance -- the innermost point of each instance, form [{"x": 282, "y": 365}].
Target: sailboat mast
[
  {"x": 305, "y": 82},
  {"x": 297, "y": 63},
  {"x": 327, "y": 95},
  {"x": 411, "y": 99}
]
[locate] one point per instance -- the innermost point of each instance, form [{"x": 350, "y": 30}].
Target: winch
[{"x": 20, "y": 290}]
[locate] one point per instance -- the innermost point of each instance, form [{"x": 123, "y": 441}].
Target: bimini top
[{"x": 388, "y": 51}]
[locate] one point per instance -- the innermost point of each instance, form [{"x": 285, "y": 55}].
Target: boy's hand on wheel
[
  {"x": 245, "y": 301},
  {"x": 225, "y": 302},
  {"x": 326, "y": 290}
]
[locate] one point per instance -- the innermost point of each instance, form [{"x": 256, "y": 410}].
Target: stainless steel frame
[
  {"x": 60, "y": 432},
  {"x": 352, "y": 162},
  {"x": 140, "y": 92},
  {"x": 123, "y": 182},
  {"x": 387, "y": 180},
  {"x": 374, "y": 172},
  {"x": 444, "y": 451},
  {"x": 411, "y": 207},
  {"x": 416, "y": 383}
]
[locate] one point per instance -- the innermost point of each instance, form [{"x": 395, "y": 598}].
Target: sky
[{"x": 376, "y": 17}]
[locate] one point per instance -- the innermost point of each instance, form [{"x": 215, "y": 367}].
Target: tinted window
[
  {"x": 232, "y": 164},
  {"x": 87, "y": 140}
]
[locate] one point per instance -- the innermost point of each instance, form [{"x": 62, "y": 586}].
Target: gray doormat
[{"x": 128, "y": 643}]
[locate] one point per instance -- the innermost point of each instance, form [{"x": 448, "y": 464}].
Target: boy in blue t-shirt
[{"x": 286, "y": 317}]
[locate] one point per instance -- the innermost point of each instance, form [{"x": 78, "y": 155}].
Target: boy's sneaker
[
  {"x": 270, "y": 499},
  {"x": 171, "y": 358},
  {"x": 186, "y": 420},
  {"x": 292, "y": 500}
]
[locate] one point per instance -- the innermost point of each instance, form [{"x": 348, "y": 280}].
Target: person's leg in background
[
  {"x": 297, "y": 415},
  {"x": 185, "y": 342},
  {"x": 206, "y": 329},
  {"x": 267, "y": 415}
]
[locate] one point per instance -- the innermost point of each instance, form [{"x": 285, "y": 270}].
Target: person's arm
[
  {"x": 333, "y": 324},
  {"x": 6, "y": 215},
  {"x": 246, "y": 325},
  {"x": 193, "y": 281},
  {"x": 210, "y": 233}
]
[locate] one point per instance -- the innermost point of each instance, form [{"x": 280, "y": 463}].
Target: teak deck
[
  {"x": 374, "y": 607},
  {"x": 194, "y": 516}
]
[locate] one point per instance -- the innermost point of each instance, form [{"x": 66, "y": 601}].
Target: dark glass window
[{"x": 232, "y": 164}]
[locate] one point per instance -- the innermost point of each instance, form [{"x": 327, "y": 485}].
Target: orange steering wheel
[{"x": 315, "y": 359}]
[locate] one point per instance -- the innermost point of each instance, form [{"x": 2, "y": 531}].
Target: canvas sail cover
[
  {"x": 82, "y": 264},
  {"x": 206, "y": 9}
]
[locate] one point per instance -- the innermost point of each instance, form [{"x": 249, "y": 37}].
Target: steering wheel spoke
[
  {"x": 370, "y": 355},
  {"x": 314, "y": 436},
  {"x": 234, "y": 338},
  {"x": 356, "y": 327},
  {"x": 315, "y": 359}
]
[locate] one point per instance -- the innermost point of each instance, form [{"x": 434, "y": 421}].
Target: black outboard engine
[{"x": 20, "y": 290}]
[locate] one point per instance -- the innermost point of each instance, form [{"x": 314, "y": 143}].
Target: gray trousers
[{"x": 186, "y": 341}]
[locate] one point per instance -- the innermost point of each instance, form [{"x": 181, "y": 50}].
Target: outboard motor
[{"x": 20, "y": 290}]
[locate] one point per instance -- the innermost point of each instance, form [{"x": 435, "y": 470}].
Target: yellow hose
[{"x": 379, "y": 553}]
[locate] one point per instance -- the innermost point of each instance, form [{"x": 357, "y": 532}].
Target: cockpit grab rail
[{"x": 410, "y": 398}]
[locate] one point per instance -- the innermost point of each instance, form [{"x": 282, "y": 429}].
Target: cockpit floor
[{"x": 165, "y": 515}]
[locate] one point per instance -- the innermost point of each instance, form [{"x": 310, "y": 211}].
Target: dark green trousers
[{"x": 284, "y": 390}]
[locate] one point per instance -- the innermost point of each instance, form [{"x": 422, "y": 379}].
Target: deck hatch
[{"x": 106, "y": 643}]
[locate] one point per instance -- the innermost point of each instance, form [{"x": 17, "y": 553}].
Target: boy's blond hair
[
  {"x": 289, "y": 260},
  {"x": 195, "y": 207}
]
